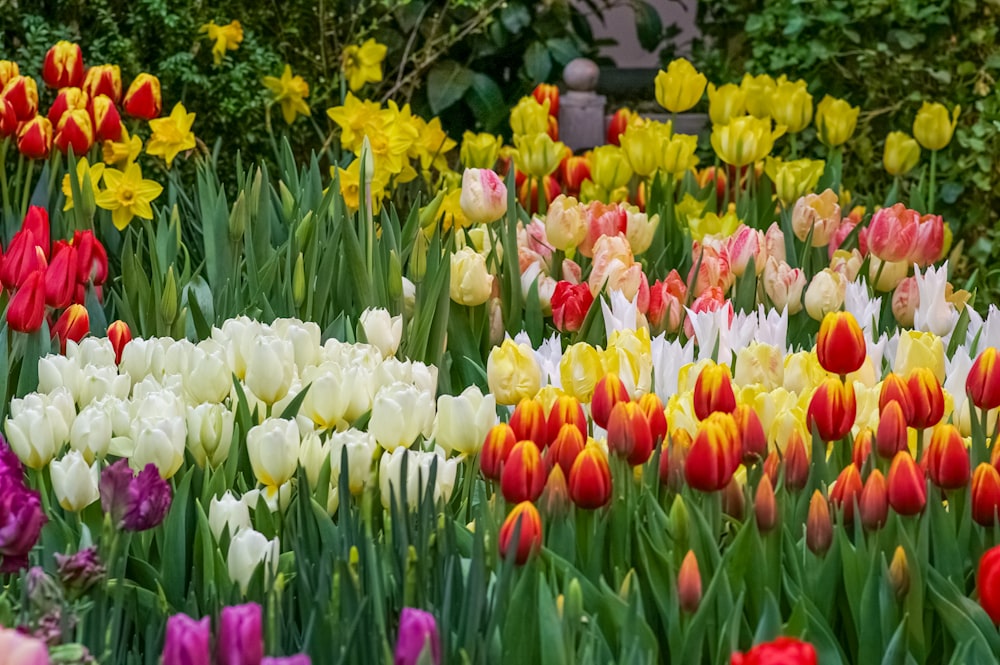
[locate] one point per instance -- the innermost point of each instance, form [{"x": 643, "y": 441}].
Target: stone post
[{"x": 581, "y": 109}]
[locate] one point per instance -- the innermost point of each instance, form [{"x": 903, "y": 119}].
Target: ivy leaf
[
  {"x": 537, "y": 63},
  {"x": 648, "y": 25},
  {"x": 446, "y": 84}
]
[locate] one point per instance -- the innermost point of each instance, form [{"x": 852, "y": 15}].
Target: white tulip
[
  {"x": 312, "y": 454},
  {"x": 209, "y": 433},
  {"x": 270, "y": 368},
  {"x": 274, "y": 450},
  {"x": 177, "y": 358},
  {"x": 76, "y": 483},
  {"x": 381, "y": 330},
  {"x": 30, "y": 431},
  {"x": 418, "y": 472},
  {"x": 247, "y": 550},
  {"x": 227, "y": 510},
  {"x": 360, "y": 447},
  {"x": 463, "y": 421},
  {"x": 95, "y": 351},
  {"x": 401, "y": 413},
  {"x": 208, "y": 378},
  {"x": 305, "y": 338},
  {"x": 154, "y": 401},
  {"x": 56, "y": 371},
  {"x": 159, "y": 441},
  {"x": 91, "y": 432},
  {"x": 100, "y": 381},
  {"x": 142, "y": 358},
  {"x": 328, "y": 397}
]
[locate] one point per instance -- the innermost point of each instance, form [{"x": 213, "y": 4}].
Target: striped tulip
[
  {"x": 609, "y": 391},
  {"x": 983, "y": 382},
  {"x": 713, "y": 391},
  {"x": 891, "y": 435},
  {"x": 708, "y": 466},
  {"x": 528, "y": 422},
  {"x": 590, "y": 479},
  {"x": 947, "y": 458},
  {"x": 629, "y": 435},
  {"x": 832, "y": 409},
  {"x": 985, "y": 494},
  {"x": 523, "y": 476},
  {"x": 565, "y": 448},
  {"x": 63, "y": 66},
  {"x": 529, "y": 536},
  {"x": 907, "y": 485},
  {"x": 819, "y": 527},
  {"x": 874, "y": 503},
  {"x": 894, "y": 387},
  {"x": 566, "y": 410},
  {"x": 840, "y": 344},
  {"x": 500, "y": 440},
  {"x": 846, "y": 492},
  {"x": 926, "y": 396}
]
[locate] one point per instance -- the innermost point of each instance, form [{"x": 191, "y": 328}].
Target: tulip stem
[
  {"x": 931, "y": 193},
  {"x": 26, "y": 190},
  {"x": 3, "y": 174}
]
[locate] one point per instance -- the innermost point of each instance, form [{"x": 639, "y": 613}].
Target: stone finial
[{"x": 581, "y": 75}]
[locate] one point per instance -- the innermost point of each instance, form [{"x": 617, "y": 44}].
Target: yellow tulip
[
  {"x": 678, "y": 154},
  {"x": 744, "y": 140},
  {"x": 538, "y": 155},
  {"x": 932, "y": 127},
  {"x": 714, "y": 225},
  {"x": 480, "y": 151},
  {"x": 579, "y": 371},
  {"x": 901, "y": 153},
  {"x": 680, "y": 87},
  {"x": 835, "y": 121},
  {"x": 512, "y": 373},
  {"x": 793, "y": 179},
  {"x": 919, "y": 349},
  {"x": 529, "y": 117},
  {"x": 726, "y": 102},
  {"x": 761, "y": 365},
  {"x": 758, "y": 91},
  {"x": 791, "y": 105},
  {"x": 609, "y": 168},
  {"x": 642, "y": 145}
]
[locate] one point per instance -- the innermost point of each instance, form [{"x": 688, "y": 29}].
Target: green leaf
[
  {"x": 515, "y": 17},
  {"x": 446, "y": 84},
  {"x": 648, "y": 25},
  {"x": 537, "y": 63},
  {"x": 486, "y": 101}
]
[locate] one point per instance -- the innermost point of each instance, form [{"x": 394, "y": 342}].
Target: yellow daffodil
[
  {"x": 226, "y": 38},
  {"x": 835, "y": 120},
  {"x": 352, "y": 117},
  {"x": 433, "y": 145},
  {"x": 127, "y": 195},
  {"x": 480, "y": 151},
  {"x": 83, "y": 169},
  {"x": 451, "y": 211},
  {"x": 172, "y": 134},
  {"x": 289, "y": 91},
  {"x": 123, "y": 151},
  {"x": 351, "y": 188},
  {"x": 363, "y": 64}
]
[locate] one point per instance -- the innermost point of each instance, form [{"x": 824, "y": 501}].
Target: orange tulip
[
  {"x": 566, "y": 410},
  {"x": 529, "y": 537},
  {"x": 673, "y": 454},
  {"x": 689, "y": 584},
  {"x": 765, "y": 506},
  {"x": 528, "y": 422},
  {"x": 608, "y": 391},
  {"x": 985, "y": 494},
  {"x": 840, "y": 344},
  {"x": 819, "y": 527},
  {"x": 907, "y": 485},
  {"x": 832, "y": 409},
  {"x": 573, "y": 171},
  {"x": 565, "y": 448},
  {"x": 891, "y": 436},
  {"x": 590, "y": 479},
  {"x": 656, "y": 416},
  {"x": 709, "y": 463},
  {"x": 926, "y": 396},
  {"x": 753, "y": 440},
  {"x": 620, "y": 121},
  {"x": 796, "y": 463},
  {"x": 547, "y": 91},
  {"x": 713, "y": 391},
  {"x": 983, "y": 382},
  {"x": 523, "y": 476},
  {"x": 894, "y": 387},
  {"x": 63, "y": 66},
  {"x": 628, "y": 433},
  {"x": 862, "y": 447},
  {"x": 874, "y": 504},
  {"x": 119, "y": 335},
  {"x": 947, "y": 458},
  {"x": 500, "y": 440},
  {"x": 846, "y": 492},
  {"x": 74, "y": 324}
]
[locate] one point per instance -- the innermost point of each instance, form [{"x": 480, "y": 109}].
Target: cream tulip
[
  {"x": 75, "y": 482},
  {"x": 273, "y": 448}
]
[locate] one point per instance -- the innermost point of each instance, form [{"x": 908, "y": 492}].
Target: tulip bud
[
  {"x": 247, "y": 550},
  {"x": 143, "y": 97},
  {"x": 832, "y": 409},
  {"x": 753, "y": 440},
  {"x": 566, "y": 410},
  {"x": 188, "y": 641},
  {"x": 555, "y": 500},
  {"x": 846, "y": 492},
  {"x": 840, "y": 344},
  {"x": 565, "y": 448},
  {"x": 689, "y": 584},
  {"x": 629, "y": 435},
  {"x": 825, "y": 293},
  {"x": 710, "y": 462},
  {"x": 862, "y": 447},
  {"x": 985, "y": 494},
  {"x": 299, "y": 282},
  {"x": 227, "y": 511},
  {"x": 74, "y": 481},
  {"x": 983, "y": 381},
  {"x": 932, "y": 127},
  {"x": 796, "y": 463},
  {"x": 835, "y": 121},
  {"x": 73, "y": 324},
  {"x": 901, "y": 153},
  {"x": 479, "y": 150},
  {"x": 874, "y": 503},
  {"x": 988, "y": 584},
  {"x": 523, "y": 476},
  {"x": 907, "y": 486},
  {"x": 765, "y": 506},
  {"x": 63, "y": 66},
  {"x": 76, "y": 131},
  {"x": 528, "y": 422},
  {"x": 672, "y": 457},
  {"x": 273, "y": 448},
  {"x": 34, "y": 138},
  {"x": 484, "y": 196},
  {"x": 26, "y": 309},
  {"x": 496, "y": 449},
  {"x": 926, "y": 396},
  {"x": 899, "y": 573},
  {"x": 947, "y": 458},
  {"x": 382, "y": 331},
  {"x": 819, "y": 528},
  {"x": 891, "y": 436},
  {"x": 590, "y": 479},
  {"x": 529, "y": 538},
  {"x": 713, "y": 391},
  {"x": 419, "y": 642},
  {"x": 608, "y": 391},
  {"x": 734, "y": 503},
  {"x": 60, "y": 276}
]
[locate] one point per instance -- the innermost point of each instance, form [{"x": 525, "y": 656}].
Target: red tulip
[
  {"x": 628, "y": 433},
  {"x": 570, "y": 304},
  {"x": 143, "y": 97},
  {"x": 891, "y": 436},
  {"x": 25, "y": 256},
  {"x": 34, "y": 138},
  {"x": 846, "y": 492},
  {"x": 874, "y": 504},
  {"x": 782, "y": 651},
  {"x": 529, "y": 537},
  {"x": 63, "y": 66},
  {"x": 832, "y": 409},
  {"x": 590, "y": 479},
  {"x": 985, "y": 494},
  {"x": 983, "y": 382},
  {"x": 796, "y": 463},
  {"x": 753, "y": 441},
  {"x": 22, "y": 93},
  {"x": 988, "y": 583},
  {"x": 894, "y": 387},
  {"x": 618, "y": 124},
  {"x": 119, "y": 335},
  {"x": 765, "y": 506},
  {"x": 656, "y": 416},
  {"x": 547, "y": 91},
  {"x": 947, "y": 458},
  {"x": 500, "y": 440},
  {"x": 819, "y": 527},
  {"x": 608, "y": 391},
  {"x": 573, "y": 170},
  {"x": 689, "y": 584},
  {"x": 523, "y": 476},
  {"x": 104, "y": 80},
  {"x": 528, "y": 422},
  {"x": 26, "y": 310},
  {"x": 713, "y": 391},
  {"x": 926, "y": 396},
  {"x": 60, "y": 276},
  {"x": 75, "y": 131},
  {"x": 74, "y": 324},
  {"x": 907, "y": 485},
  {"x": 566, "y": 410},
  {"x": 107, "y": 120},
  {"x": 862, "y": 447},
  {"x": 710, "y": 461},
  {"x": 93, "y": 258},
  {"x": 840, "y": 344},
  {"x": 67, "y": 100}
]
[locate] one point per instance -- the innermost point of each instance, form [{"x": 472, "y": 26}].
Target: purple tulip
[
  {"x": 298, "y": 659},
  {"x": 21, "y": 521},
  {"x": 187, "y": 641},
  {"x": 79, "y": 572},
  {"x": 138, "y": 502},
  {"x": 417, "y": 632},
  {"x": 10, "y": 465},
  {"x": 240, "y": 640}
]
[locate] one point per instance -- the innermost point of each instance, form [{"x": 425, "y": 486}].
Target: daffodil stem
[{"x": 931, "y": 193}]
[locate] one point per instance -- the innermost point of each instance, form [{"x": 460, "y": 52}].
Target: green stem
[
  {"x": 931, "y": 193},
  {"x": 26, "y": 190}
]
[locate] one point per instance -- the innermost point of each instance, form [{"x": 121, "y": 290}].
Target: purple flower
[
  {"x": 138, "y": 502},
  {"x": 21, "y": 521},
  {"x": 298, "y": 659},
  {"x": 187, "y": 641},
  {"x": 417, "y": 632},
  {"x": 22, "y": 649},
  {"x": 10, "y": 465},
  {"x": 240, "y": 641},
  {"x": 79, "y": 572}
]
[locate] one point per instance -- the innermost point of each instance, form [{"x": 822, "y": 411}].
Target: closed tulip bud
[
  {"x": 840, "y": 344},
  {"x": 835, "y": 121},
  {"x": 895, "y": 389},
  {"x": 825, "y": 293},
  {"x": 832, "y": 409},
  {"x": 572, "y": 172},
  {"x": 513, "y": 373},
  {"x": 709, "y": 466},
  {"x": 26, "y": 309},
  {"x": 60, "y": 276},
  {"x": 609, "y": 167},
  {"x": 73, "y": 324},
  {"x": 744, "y": 140},
  {"x": 418, "y": 642},
  {"x": 555, "y": 501},
  {"x": 565, "y": 448},
  {"x": 845, "y": 493},
  {"x": 947, "y": 458},
  {"x": 642, "y": 145},
  {"x": 209, "y": 433},
  {"x": 901, "y": 153},
  {"x": 608, "y": 391},
  {"x": 983, "y": 381},
  {"x": 240, "y": 633},
  {"x": 933, "y": 127},
  {"x": 537, "y": 155},
  {"x": 528, "y": 422},
  {"x": 988, "y": 583},
  {"x": 907, "y": 486},
  {"x": 985, "y": 494},
  {"x": 188, "y": 641},
  {"x": 523, "y": 476},
  {"x": 529, "y": 536},
  {"x": 484, "y": 196},
  {"x": 753, "y": 440},
  {"x": 862, "y": 449},
  {"x": 689, "y": 584},
  {"x": 248, "y": 549},
  {"x": 92, "y": 263},
  {"x": 496, "y": 449},
  {"x": 547, "y": 92},
  {"x": 899, "y": 573},
  {"x": 227, "y": 511},
  {"x": 891, "y": 435},
  {"x": 104, "y": 80},
  {"x": 652, "y": 407},
  {"x": 299, "y": 291},
  {"x": 765, "y": 506},
  {"x": 8, "y": 119},
  {"x": 273, "y": 448},
  {"x": 107, "y": 120},
  {"x": 796, "y": 463},
  {"x": 63, "y": 66},
  {"x": 926, "y": 396},
  {"x": 68, "y": 99},
  {"x": 791, "y": 105},
  {"x": 480, "y": 151},
  {"x": 471, "y": 282},
  {"x": 734, "y": 503},
  {"x": 673, "y": 454},
  {"x": 75, "y": 482},
  {"x": 680, "y": 87},
  {"x": 269, "y": 368},
  {"x": 22, "y": 93},
  {"x": 143, "y": 97},
  {"x": 713, "y": 391},
  {"x": 874, "y": 502},
  {"x": 570, "y": 304},
  {"x": 628, "y": 433},
  {"x": 819, "y": 527},
  {"x": 119, "y": 335},
  {"x": 566, "y": 410},
  {"x": 34, "y": 138},
  {"x": 590, "y": 479}
]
